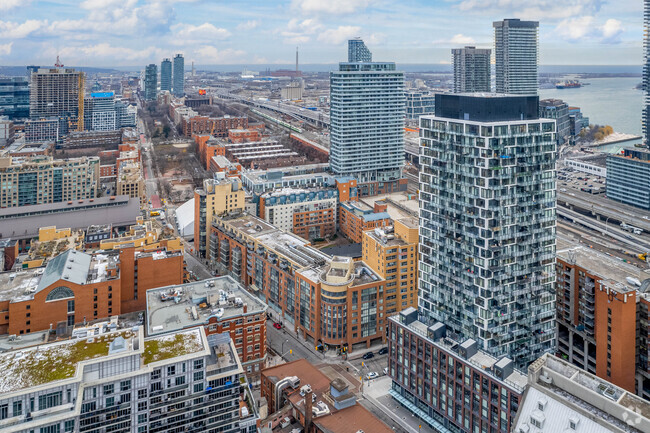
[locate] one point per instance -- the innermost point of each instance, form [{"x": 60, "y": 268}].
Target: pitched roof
[{"x": 71, "y": 265}]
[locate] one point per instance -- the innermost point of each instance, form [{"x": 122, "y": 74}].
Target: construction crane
[
  {"x": 58, "y": 63},
  {"x": 82, "y": 92}
]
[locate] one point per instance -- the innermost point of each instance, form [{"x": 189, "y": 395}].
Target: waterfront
[{"x": 606, "y": 101}]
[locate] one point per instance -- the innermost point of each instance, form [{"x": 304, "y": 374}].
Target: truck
[{"x": 631, "y": 229}]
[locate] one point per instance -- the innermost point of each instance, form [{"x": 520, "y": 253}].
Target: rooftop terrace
[{"x": 172, "y": 346}]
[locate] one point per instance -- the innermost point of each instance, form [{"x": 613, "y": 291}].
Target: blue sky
[{"x": 136, "y": 32}]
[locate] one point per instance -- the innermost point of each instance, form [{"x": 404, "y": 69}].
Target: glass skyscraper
[
  {"x": 367, "y": 109},
  {"x": 166, "y": 75},
  {"x": 487, "y": 223},
  {"x": 516, "y": 56},
  {"x": 151, "y": 82},
  {"x": 646, "y": 72},
  {"x": 14, "y": 97},
  {"x": 358, "y": 52},
  {"x": 179, "y": 75}
]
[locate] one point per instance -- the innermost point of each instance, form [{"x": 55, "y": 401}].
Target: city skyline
[{"x": 108, "y": 33}]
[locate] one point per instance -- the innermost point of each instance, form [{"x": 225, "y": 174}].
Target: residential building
[
  {"x": 179, "y": 76},
  {"x": 392, "y": 252},
  {"x": 42, "y": 179},
  {"x": 304, "y": 176},
  {"x": 577, "y": 121},
  {"x": 516, "y": 56},
  {"x": 38, "y": 131},
  {"x": 472, "y": 69},
  {"x": 602, "y": 317},
  {"x": 560, "y": 397},
  {"x": 85, "y": 139},
  {"x": 558, "y": 110},
  {"x": 309, "y": 213},
  {"x": 166, "y": 75},
  {"x": 451, "y": 384},
  {"x": 367, "y": 111},
  {"x": 215, "y": 126},
  {"x": 356, "y": 217},
  {"x": 100, "y": 113},
  {"x": 117, "y": 380},
  {"x": 318, "y": 404},
  {"x": 220, "y": 195},
  {"x": 646, "y": 71},
  {"x": 218, "y": 305},
  {"x": 331, "y": 301},
  {"x": 419, "y": 104},
  {"x": 628, "y": 177},
  {"x": 7, "y": 131},
  {"x": 151, "y": 82},
  {"x": 56, "y": 92},
  {"x": 487, "y": 229},
  {"x": 129, "y": 181},
  {"x": 358, "y": 51},
  {"x": 14, "y": 97}
]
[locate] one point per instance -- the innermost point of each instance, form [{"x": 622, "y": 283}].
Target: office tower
[
  {"x": 166, "y": 75},
  {"x": 516, "y": 56},
  {"x": 14, "y": 97},
  {"x": 99, "y": 112},
  {"x": 646, "y": 72},
  {"x": 151, "y": 82},
  {"x": 357, "y": 51},
  {"x": 56, "y": 92},
  {"x": 487, "y": 214},
  {"x": 367, "y": 120},
  {"x": 117, "y": 380},
  {"x": 628, "y": 177},
  {"x": 179, "y": 75},
  {"x": 471, "y": 69},
  {"x": 558, "y": 110}
]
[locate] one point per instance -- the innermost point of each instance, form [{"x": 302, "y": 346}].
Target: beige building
[
  {"x": 55, "y": 92},
  {"x": 219, "y": 196},
  {"x": 42, "y": 180},
  {"x": 130, "y": 181}
]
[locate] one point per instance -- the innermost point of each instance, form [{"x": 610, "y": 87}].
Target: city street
[{"x": 194, "y": 265}]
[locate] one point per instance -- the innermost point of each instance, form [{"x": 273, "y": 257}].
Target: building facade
[
  {"x": 129, "y": 181},
  {"x": 151, "y": 82},
  {"x": 179, "y": 76},
  {"x": 121, "y": 382},
  {"x": 166, "y": 75},
  {"x": 40, "y": 180},
  {"x": 487, "y": 233},
  {"x": 646, "y": 71},
  {"x": 356, "y": 217},
  {"x": 516, "y": 56},
  {"x": 56, "y": 92},
  {"x": 419, "y": 104},
  {"x": 558, "y": 110},
  {"x": 472, "y": 69},
  {"x": 358, "y": 51},
  {"x": 100, "y": 113},
  {"x": 14, "y": 97},
  {"x": 367, "y": 109},
  {"x": 628, "y": 177}
]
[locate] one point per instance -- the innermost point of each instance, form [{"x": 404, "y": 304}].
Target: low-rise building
[
  {"x": 7, "y": 131},
  {"x": 43, "y": 130},
  {"x": 305, "y": 176},
  {"x": 129, "y": 181},
  {"x": 219, "y": 305},
  {"x": 117, "y": 380},
  {"x": 355, "y": 217}
]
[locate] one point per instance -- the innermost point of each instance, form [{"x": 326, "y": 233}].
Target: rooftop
[
  {"x": 183, "y": 306},
  {"x": 400, "y": 204},
  {"x": 172, "y": 346}
]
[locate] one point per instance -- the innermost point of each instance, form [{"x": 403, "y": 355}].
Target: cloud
[
  {"x": 105, "y": 50},
  {"x": 331, "y": 7},
  {"x": 586, "y": 28},
  {"x": 248, "y": 25},
  {"x": 457, "y": 39},
  {"x": 338, "y": 35},
  {"x": 13, "y": 30},
  {"x": 211, "y": 55},
  {"x": 533, "y": 9},
  {"x": 188, "y": 33},
  {"x": 300, "y": 31},
  {"x": 5, "y": 49},
  {"x": 6, "y": 5}
]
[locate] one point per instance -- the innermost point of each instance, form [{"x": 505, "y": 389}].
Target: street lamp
[{"x": 282, "y": 352}]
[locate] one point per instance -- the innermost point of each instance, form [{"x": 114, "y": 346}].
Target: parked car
[
  {"x": 383, "y": 351},
  {"x": 277, "y": 326},
  {"x": 368, "y": 355},
  {"x": 371, "y": 375}
]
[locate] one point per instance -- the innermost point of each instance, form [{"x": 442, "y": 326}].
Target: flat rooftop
[
  {"x": 172, "y": 346},
  {"x": 607, "y": 267},
  {"x": 189, "y": 305},
  {"x": 387, "y": 239},
  {"x": 400, "y": 204}
]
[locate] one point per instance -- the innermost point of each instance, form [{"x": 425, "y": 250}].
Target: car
[
  {"x": 368, "y": 355},
  {"x": 371, "y": 375},
  {"x": 385, "y": 370},
  {"x": 277, "y": 326},
  {"x": 383, "y": 351}
]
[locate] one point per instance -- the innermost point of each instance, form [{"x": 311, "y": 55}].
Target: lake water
[{"x": 606, "y": 101}]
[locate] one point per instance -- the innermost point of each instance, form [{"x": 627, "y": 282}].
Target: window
[
  {"x": 110, "y": 401},
  {"x": 198, "y": 375},
  {"x": 69, "y": 425},
  {"x": 155, "y": 374},
  {"x": 198, "y": 364},
  {"x": 18, "y": 408},
  {"x": 4, "y": 411},
  {"x": 142, "y": 418},
  {"x": 47, "y": 401},
  {"x": 125, "y": 385},
  {"x": 142, "y": 393},
  {"x": 171, "y": 370},
  {"x": 57, "y": 293},
  {"x": 180, "y": 380},
  {"x": 109, "y": 389},
  {"x": 198, "y": 387}
]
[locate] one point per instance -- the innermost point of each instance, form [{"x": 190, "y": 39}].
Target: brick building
[
  {"x": 243, "y": 135},
  {"x": 356, "y": 217},
  {"x": 215, "y": 126}
]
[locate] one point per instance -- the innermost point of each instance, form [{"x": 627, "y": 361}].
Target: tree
[{"x": 166, "y": 130}]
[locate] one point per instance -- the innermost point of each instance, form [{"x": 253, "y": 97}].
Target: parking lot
[{"x": 569, "y": 178}]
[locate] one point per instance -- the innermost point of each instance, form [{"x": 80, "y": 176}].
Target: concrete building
[
  {"x": 218, "y": 305},
  {"x": 558, "y": 110},
  {"x": 116, "y": 380},
  {"x": 221, "y": 195},
  {"x": 100, "y": 113},
  {"x": 419, "y": 104},
  {"x": 392, "y": 252},
  {"x": 305, "y": 176},
  {"x": 646, "y": 72},
  {"x": 628, "y": 177},
  {"x": 577, "y": 121},
  {"x": 472, "y": 69},
  {"x": 358, "y": 51},
  {"x": 451, "y": 384},
  {"x": 293, "y": 91},
  {"x": 55, "y": 92},
  {"x": 591, "y": 164},
  {"x": 318, "y": 404},
  {"x": 166, "y": 75},
  {"x": 560, "y": 397},
  {"x": 38, "y": 131},
  {"x": 367, "y": 112},
  {"x": 41, "y": 179},
  {"x": 516, "y": 56},
  {"x": 311, "y": 214},
  {"x": 14, "y": 97},
  {"x": 356, "y": 217},
  {"x": 7, "y": 131},
  {"x": 129, "y": 181},
  {"x": 178, "y": 87},
  {"x": 151, "y": 82},
  {"x": 602, "y": 317},
  {"x": 487, "y": 229}
]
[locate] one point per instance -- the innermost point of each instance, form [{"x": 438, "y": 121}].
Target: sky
[{"x": 105, "y": 33}]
